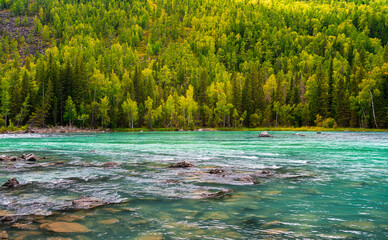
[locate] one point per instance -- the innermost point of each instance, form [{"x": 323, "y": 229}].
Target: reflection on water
[{"x": 330, "y": 185}]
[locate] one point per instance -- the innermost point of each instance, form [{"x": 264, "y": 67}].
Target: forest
[{"x": 193, "y": 63}]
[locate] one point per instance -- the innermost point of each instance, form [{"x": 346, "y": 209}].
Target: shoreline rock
[{"x": 60, "y": 129}]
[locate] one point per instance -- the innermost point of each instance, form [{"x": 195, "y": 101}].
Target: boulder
[
  {"x": 64, "y": 227},
  {"x": 181, "y": 165},
  {"x": 29, "y": 157},
  {"x": 265, "y": 172},
  {"x": 11, "y": 183},
  {"x": 87, "y": 203},
  {"x": 247, "y": 179},
  {"x": 264, "y": 134},
  {"x": 13, "y": 158},
  {"x": 218, "y": 195}
]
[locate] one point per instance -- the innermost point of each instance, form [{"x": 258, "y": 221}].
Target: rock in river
[
  {"x": 11, "y": 183},
  {"x": 218, "y": 195},
  {"x": 29, "y": 157},
  {"x": 216, "y": 171},
  {"x": 64, "y": 227},
  {"x": 110, "y": 164},
  {"x": 87, "y": 203},
  {"x": 181, "y": 165},
  {"x": 264, "y": 134}
]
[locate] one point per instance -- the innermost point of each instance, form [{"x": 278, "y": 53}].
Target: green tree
[
  {"x": 104, "y": 111},
  {"x": 70, "y": 111},
  {"x": 131, "y": 111}
]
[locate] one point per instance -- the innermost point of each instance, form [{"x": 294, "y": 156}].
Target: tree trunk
[{"x": 373, "y": 109}]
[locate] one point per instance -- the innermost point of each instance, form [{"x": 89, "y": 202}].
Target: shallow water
[{"x": 321, "y": 186}]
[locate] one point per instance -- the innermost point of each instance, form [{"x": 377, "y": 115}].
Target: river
[{"x": 332, "y": 185}]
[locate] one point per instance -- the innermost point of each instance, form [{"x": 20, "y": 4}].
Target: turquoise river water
[{"x": 319, "y": 186}]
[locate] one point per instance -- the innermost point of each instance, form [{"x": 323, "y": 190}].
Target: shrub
[{"x": 329, "y": 123}]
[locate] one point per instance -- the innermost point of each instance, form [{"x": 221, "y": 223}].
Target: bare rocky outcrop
[{"x": 10, "y": 28}]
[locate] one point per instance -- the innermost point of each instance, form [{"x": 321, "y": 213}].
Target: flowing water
[{"x": 318, "y": 186}]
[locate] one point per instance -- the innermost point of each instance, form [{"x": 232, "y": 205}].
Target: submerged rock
[
  {"x": 69, "y": 218},
  {"x": 87, "y": 203},
  {"x": 275, "y": 231},
  {"x": 265, "y": 134},
  {"x": 64, "y": 227},
  {"x": 360, "y": 225},
  {"x": 109, "y": 221},
  {"x": 24, "y": 226},
  {"x": 183, "y": 164},
  {"x": 3, "y": 235},
  {"x": 218, "y": 195},
  {"x": 150, "y": 236},
  {"x": 11, "y": 183},
  {"x": 110, "y": 164}
]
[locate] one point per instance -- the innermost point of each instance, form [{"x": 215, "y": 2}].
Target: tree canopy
[{"x": 188, "y": 63}]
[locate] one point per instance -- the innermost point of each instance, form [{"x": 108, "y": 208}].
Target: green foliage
[
  {"x": 329, "y": 123},
  {"x": 197, "y": 63},
  {"x": 70, "y": 111}
]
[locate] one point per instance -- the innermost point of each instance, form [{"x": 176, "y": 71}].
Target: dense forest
[{"x": 194, "y": 63}]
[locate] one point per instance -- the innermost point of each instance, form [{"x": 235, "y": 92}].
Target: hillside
[{"x": 194, "y": 63}]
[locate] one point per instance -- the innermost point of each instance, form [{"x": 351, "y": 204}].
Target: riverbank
[
  {"x": 58, "y": 129},
  {"x": 67, "y": 129}
]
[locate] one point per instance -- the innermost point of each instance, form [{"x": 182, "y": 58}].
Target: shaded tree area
[{"x": 197, "y": 63}]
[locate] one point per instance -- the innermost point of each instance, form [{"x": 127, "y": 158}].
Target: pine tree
[{"x": 341, "y": 103}]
